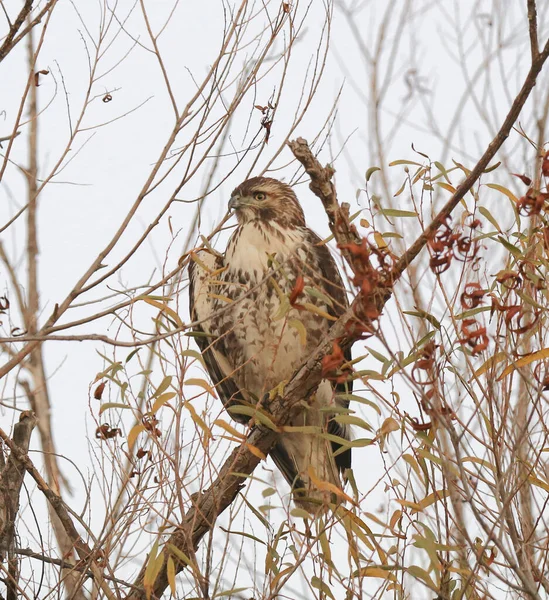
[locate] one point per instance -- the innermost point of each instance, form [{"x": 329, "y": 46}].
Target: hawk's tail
[{"x": 308, "y": 465}]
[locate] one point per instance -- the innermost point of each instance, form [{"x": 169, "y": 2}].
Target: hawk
[{"x": 261, "y": 309}]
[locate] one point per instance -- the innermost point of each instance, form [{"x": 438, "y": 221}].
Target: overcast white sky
[{"x": 84, "y": 204}]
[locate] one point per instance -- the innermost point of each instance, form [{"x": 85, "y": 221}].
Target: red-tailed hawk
[{"x": 263, "y": 308}]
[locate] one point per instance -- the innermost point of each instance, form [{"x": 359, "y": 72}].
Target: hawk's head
[{"x": 267, "y": 199}]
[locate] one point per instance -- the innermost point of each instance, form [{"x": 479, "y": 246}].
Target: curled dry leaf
[
  {"x": 475, "y": 336},
  {"x": 524, "y": 178},
  {"x": 331, "y": 364},
  {"x": 37, "y": 76},
  {"x": 533, "y": 203},
  {"x": 472, "y": 295},
  {"x": 297, "y": 290},
  {"x": 106, "y": 432},
  {"x": 98, "y": 393}
]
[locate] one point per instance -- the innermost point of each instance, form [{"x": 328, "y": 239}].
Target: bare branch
[
  {"x": 9, "y": 41},
  {"x": 533, "y": 27},
  {"x": 11, "y": 480}
]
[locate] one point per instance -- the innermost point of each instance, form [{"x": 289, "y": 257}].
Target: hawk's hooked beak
[
  {"x": 237, "y": 202},
  {"x": 234, "y": 203}
]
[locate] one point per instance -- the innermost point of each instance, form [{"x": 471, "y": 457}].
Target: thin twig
[{"x": 67, "y": 565}]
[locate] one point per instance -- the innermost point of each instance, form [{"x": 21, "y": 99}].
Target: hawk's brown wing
[{"x": 212, "y": 348}]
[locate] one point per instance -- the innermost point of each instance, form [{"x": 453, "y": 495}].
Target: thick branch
[
  {"x": 11, "y": 481},
  {"x": 200, "y": 518},
  {"x": 533, "y": 28},
  {"x": 9, "y": 43},
  {"x": 323, "y": 187}
]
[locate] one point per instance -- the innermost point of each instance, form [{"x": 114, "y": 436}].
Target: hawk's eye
[{"x": 260, "y": 196}]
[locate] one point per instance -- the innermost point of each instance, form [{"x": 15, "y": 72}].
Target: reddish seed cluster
[
  {"x": 474, "y": 334},
  {"x": 545, "y": 165},
  {"x": 98, "y": 393},
  {"x": 472, "y": 295},
  {"x": 367, "y": 278},
  {"x": 519, "y": 318},
  {"x": 425, "y": 363},
  {"x": 297, "y": 292}
]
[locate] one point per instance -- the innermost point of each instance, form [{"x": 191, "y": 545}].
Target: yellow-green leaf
[
  {"x": 490, "y": 363},
  {"x": 379, "y": 572},
  {"x": 162, "y": 306},
  {"x": 422, "y": 574},
  {"x": 432, "y": 498},
  {"x": 108, "y": 405},
  {"x": 446, "y": 186},
  {"x": 503, "y": 190},
  {"x": 194, "y": 354},
  {"x": 161, "y": 400},
  {"x": 371, "y": 171},
  {"x": 134, "y": 432},
  {"x": 352, "y": 420},
  {"x": 164, "y": 385},
  {"x": 255, "y": 413},
  {"x": 199, "y": 421},
  {"x": 393, "y": 212},
  {"x": 154, "y": 564},
  {"x": 380, "y": 241},
  {"x": 170, "y": 574},
  {"x": 488, "y": 215},
  {"x": 538, "y": 482},
  {"x": 317, "y": 311},
  {"x": 203, "y": 384},
  {"x": 256, "y": 451},
  {"x": 229, "y": 429},
  {"x": 525, "y": 360},
  {"x": 404, "y": 162},
  {"x": 300, "y": 328}
]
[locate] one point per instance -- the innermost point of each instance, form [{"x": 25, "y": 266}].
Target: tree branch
[
  {"x": 11, "y": 480},
  {"x": 9, "y": 43},
  {"x": 533, "y": 28}
]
